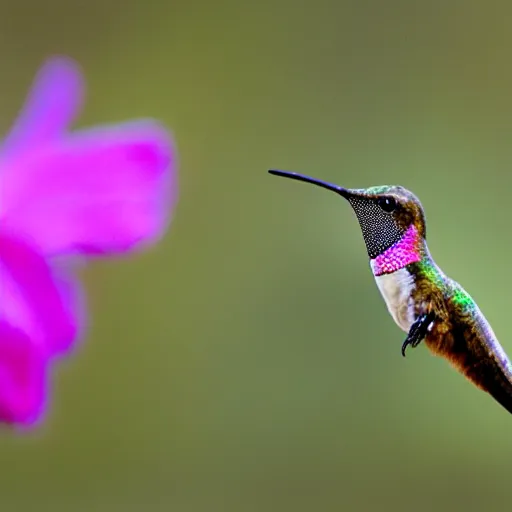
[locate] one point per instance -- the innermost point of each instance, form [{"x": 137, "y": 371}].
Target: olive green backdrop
[{"x": 248, "y": 363}]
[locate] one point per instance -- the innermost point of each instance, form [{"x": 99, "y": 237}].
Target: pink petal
[
  {"x": 22, "y": 377},
  {"x": 33, "y": 300},
  {"x": 52, "y": 104},
  {"x": 98, "y": 191},
  {"x": 73, "y": 301}
]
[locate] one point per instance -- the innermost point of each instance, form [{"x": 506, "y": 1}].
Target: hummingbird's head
[
  {"x": 389, "y": 216},
  {"x": 386, "y": 215}
]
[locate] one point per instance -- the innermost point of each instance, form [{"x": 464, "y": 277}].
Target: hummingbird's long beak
[{"x": 301, "y": 177}]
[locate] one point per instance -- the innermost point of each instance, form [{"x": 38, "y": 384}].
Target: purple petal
[
  {"x": 51, "y": 106},
  {"x": 22, "y": 377},
  {"x": 98, "y": 191},
  {"x": 32, "y": 300}
]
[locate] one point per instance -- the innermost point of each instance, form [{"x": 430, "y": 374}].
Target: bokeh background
[{"x": 248, "y": 363}]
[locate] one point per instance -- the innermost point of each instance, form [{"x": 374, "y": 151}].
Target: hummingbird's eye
[{"x": 387, "y": 203}]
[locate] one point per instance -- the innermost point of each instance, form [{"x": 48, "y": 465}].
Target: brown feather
[{"x": 462, "y": 335}]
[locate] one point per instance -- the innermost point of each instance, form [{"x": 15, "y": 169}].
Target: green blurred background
[{"x": 248, "y": 363}]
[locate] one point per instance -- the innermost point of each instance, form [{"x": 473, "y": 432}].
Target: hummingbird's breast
[{"x": 397, "y": 290}]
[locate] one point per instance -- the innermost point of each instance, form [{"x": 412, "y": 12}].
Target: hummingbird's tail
[{"x": 489, "y": 376}]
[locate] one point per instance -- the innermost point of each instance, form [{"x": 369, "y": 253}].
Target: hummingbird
[{"x": 424, "y": 302}]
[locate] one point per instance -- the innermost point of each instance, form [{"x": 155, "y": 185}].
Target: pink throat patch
[{"x": 399, "y": 255}]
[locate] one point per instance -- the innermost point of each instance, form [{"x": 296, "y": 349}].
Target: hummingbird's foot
[{"x": 418, "y": 331}]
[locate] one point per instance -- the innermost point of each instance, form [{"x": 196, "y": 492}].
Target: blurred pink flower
[{"x": 100, "y": 191}]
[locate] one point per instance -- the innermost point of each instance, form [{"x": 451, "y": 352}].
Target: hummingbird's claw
[
  {"x": 417, "y": 331},
  {"x": 415, "y": 343},
  {"x": 405, "y": 344}
]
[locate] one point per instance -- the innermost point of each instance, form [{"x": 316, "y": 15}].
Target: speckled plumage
[
  {"x": 399, "y": 255},
  {"x": 422, "y": 300}
]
